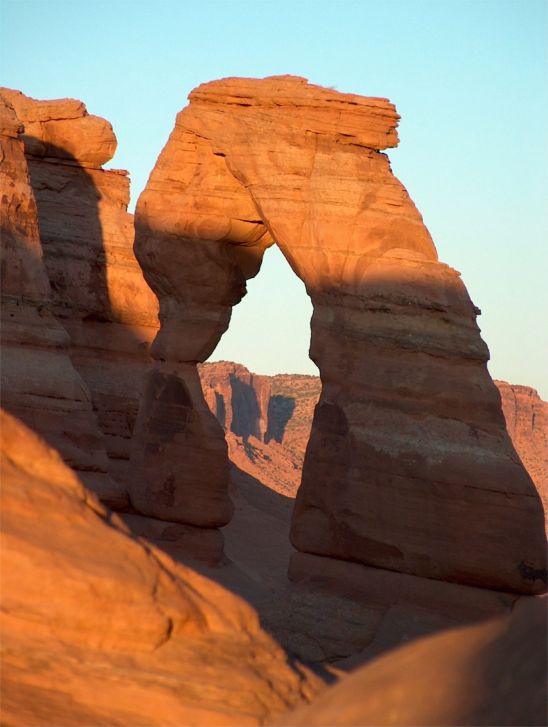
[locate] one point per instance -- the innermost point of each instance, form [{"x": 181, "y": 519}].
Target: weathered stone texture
[
  {"x": 526, "y": 417},
  {"x": 266, "y": 420},
  {"x": 409, "y": 466},
  {"x": 492, "y": 673},
  {"x": 101, "y": 628},
  {"x": 39, "y": 382},
  {"x": 98, "y": 290}
]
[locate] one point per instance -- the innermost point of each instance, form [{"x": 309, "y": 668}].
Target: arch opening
[{"x": 259, "y": 382}]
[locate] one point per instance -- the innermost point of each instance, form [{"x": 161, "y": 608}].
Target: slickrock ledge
[
  {"x": 409, "y": 465},
  {"x": 493, "y": 673}
]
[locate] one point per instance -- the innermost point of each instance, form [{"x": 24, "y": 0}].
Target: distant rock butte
[
  {"x": 409, "y": 465},
  {"x": 266, "y": 420},
  {"x": 99, "y": 627}
]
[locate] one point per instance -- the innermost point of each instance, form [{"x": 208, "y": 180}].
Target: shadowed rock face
[
  {"x": 409, "y": 465},
  {"x": 489, "y": 674},
  {"x": 526, "y": 417},
  {"x": 39, "y": 381},
  {"x": 286, "y": 403},
  {"x": 97, "y": 288}
]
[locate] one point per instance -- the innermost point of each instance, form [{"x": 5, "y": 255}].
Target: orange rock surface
[
  {"x": 266, "y": 420},
  {"x": 100, "y": 627},
  {"x": 284, "y": 406},
  {"x": 409, "y": 465},
  {"x": 526, "y": 417},
  {"x": 98, "y": 290},
  {"x": 39, "y": 381},
  {"x": 490, "y": 674}
]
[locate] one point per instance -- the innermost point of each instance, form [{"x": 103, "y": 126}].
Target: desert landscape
[{"x": 188, "y": 542}]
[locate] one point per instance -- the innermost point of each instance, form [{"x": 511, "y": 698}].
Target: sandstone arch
[{"x": 409, "y": 467}]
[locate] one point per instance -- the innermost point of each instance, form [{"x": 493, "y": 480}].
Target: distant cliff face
[
  {"x": 526, "y": 417},
  {"x": 268, "y": 419}
]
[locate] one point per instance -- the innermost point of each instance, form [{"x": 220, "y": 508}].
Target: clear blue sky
[{"x": 469, "y": 78}]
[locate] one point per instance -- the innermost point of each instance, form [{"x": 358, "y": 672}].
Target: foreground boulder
[
  {"x": 409, "y": 465},
  {"x": 493, "y": 673},
  {"x": 101, "y": 628}
]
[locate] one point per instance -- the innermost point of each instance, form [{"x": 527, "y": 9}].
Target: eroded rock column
[{"x": 198, "y": 240}]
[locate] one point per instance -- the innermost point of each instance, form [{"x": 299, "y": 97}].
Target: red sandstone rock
[
  {"x": 39, "y": 381},
  {"x": 62, "y": 128},
  {"x": 266, "y": 420},
  {"x": 526, "y": 417},
  {"x": 274, "y": 446},
  {"x": 101, "y": 628},
  {"x": 238, "y": 398},
  {"x": 409, "y": 466},
  {"x": 490, "y": 674},
  {"x": 98, "y": 290}
]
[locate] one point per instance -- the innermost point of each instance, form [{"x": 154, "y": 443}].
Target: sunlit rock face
[
  {"x": 409, "y": 465},
  {"x": 101, "y": 628},
  {"x": 39, "y": 382},
  {"x": 97, "y": 288},
  {"x": 266, "y": 420}
]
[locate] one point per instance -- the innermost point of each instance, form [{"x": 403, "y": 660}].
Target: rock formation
[
  {"x": 39, "y": 382},
  {"x": 409, "y": 465},
  {"x": 284, "y": 405},
  {"x": 95, "y": 289},
  {"x": 238, "y": 398},
  {"x": 489, "y": 674},
  {"x": 526, "y": 417},
  {"x": 101, "y": 628},
  {"x": 98, "y": 291},
  {"x": 266, "y": 420}
]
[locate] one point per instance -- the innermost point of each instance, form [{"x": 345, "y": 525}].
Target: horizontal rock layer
[
  {"x": 39, "y": 381},
  {"x": 488, "y": 674},
  {"x": 97, "y": 288},
  {"x": 267, "y": 422}
]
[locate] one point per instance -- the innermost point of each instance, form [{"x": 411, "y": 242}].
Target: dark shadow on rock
[
  {"x": 71, "y": 234},
  {"x": 280, "y": 411},
  {"x": 68, "y": 201},
  {"x": 245, "y": 407}
]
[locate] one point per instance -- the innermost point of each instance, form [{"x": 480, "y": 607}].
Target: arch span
[{"x": 409, "y": 466}]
